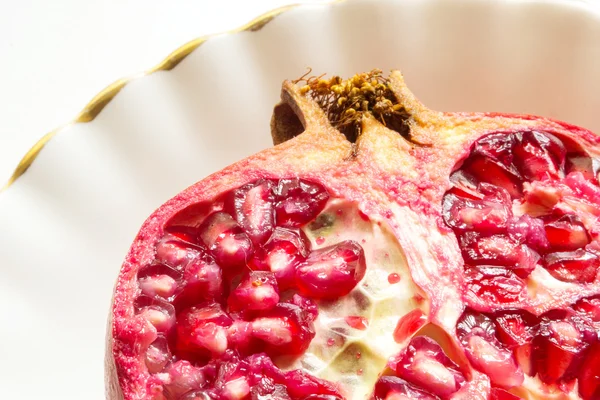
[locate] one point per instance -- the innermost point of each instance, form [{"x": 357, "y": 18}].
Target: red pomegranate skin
[{"x": 401, "y": 184}]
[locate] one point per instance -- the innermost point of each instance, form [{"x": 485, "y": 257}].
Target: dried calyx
[{"x": 467, "y": 268}]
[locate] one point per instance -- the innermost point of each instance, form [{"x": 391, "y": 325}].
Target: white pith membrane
[{"x": 357, "y": 357}]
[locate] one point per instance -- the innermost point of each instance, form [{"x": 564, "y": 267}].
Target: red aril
[
  {"x": 477, "y": 334},
  {"x": 202, "y": 281},
  {"x": 394, "y": 388},
  {"x": 561, "y": 342},
  {"x": 281, "y": 254},
  {"x": 573, "y": 266},
  {"x": 380, "y": 250},
  {"x": 201, "y": 332},
  {"x": 331, "y": 272},
  {"x": 285, "y": 329},
  {"x": 589, "y": 373},
  {"x": 567, "y": 233},
  {"x": 298, "y": 201},
  {"x": 226, "y": 240},
  {"x": 424, "y": 364},
  {"x": 500, "y": 394},
  {"x": 253, "y": 207},
  {"x": 257, "y": 291},
  {"x": 539, "y": 156}
]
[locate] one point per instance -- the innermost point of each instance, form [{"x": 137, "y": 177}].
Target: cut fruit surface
[{"x": 380, "y": 251}]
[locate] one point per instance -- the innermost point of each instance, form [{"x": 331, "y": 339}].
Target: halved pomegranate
[{"x": 380, "y": 250}]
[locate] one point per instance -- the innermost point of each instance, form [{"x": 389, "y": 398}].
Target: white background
[{"x": 56, "y": 55}]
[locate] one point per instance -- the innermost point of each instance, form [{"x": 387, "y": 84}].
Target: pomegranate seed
[
  {"x": 465, "y": 185},
  {"x": 285, "y": 329},
  {"x": 357, "y": 322},
  {"x": 257, "y": 291},
  {"x": 589, "y": 307},
  {"x": 301, "y": 385},
  {"x": 423, "y": 363},
  {"x": 580, "y": 163},
  {"x": 270, "y": 392},
  {"x": 490, "y": 214},
  {"x": 567, "y": 233},
  {"x": 202, "y": 331},
  {"x": 183, "y": 378},
  {"x": 498, "y": 250},
  {"x": 394, "y": 388},
  {"x": 493, "y": 172},
  {"x": 495, "y": 285},
  {"x": 539, "y": 156},
  {"x": 501, "y": 394},
  {"x": 573, "y": 266},
  {"x": 160, "y": 314},
  {"x": 320, "y": 240},
  {"x": 239, "y": 336},
  {"x": 196, "y": 395},
  {"x": 307, "y": 305},
  {"x": 253, "y": 207},
  {"x": 285, "y": 249},
  {"x": 516, "y": 328},
  {"x": 477, "y": 334},
  {"x": 158, "y": 285},
  {"x": 331, "y": 272},
  {"x": 560, "y": 344},
  {"x": 236, "y": 389},
  {"x": 583, "y": 187},
  {"x": 529, "y": 231},
  {"x": 157, "y": 268},
  {"x": 409, "y": 324},
  {"x": 229, "y": 244},
  {"x": 393, "y": 278},
  {"x": 157, "y": 355},
  {"x": 589, "y": 374},
  {"x": 496, "y": 146},
  {"x": 299, "y": 201},
  {"x": 174, "y": 252},
  {"x": 203, "y": 282}
]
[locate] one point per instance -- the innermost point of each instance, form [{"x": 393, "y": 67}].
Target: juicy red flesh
[
  {"x": 235, "y": 285},
  {"x": 258, "y": 290},
  {"x": 394, "y": 388},
  {"x": 562, "y": 341},
  {"x": 500, "y": 394},
  {"x": 227, "y": 241},
  {"x": 522, "y": 201},
  {"x": 233, "y": 377},
  {"x": 253, "y": 207},
  {"x": 424, "y": 364},
  {"x": 299, "y": 202},
  {"x": 573, "y": 266},
  {"x": 331, "y": 272},
  {"x": 504, "y": 213},
  {"x": 559, "y": 346},
  {"x": 477, "y": 334},
  {"x": 281, "y": 254}
]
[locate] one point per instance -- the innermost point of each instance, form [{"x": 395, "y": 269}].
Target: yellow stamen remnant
[{"x": 346, "y": 101}]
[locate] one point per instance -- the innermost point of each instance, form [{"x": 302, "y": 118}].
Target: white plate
[{"x": 66, "y": 224}]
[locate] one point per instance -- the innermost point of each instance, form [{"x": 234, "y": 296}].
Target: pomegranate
[{"x": 380, "y": 250}]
